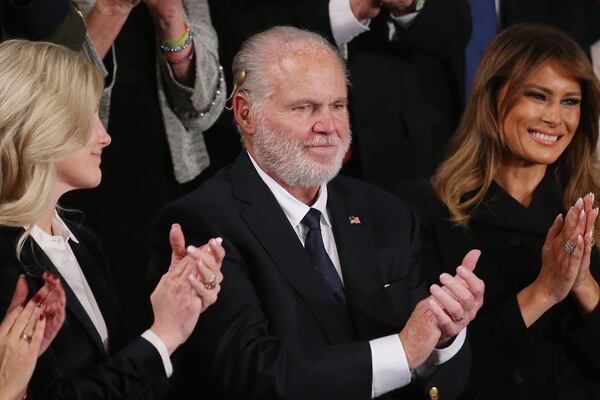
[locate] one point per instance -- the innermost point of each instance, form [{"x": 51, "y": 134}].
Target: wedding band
[
  {"x": 459, "y": 318},
  {"x": 26, "y": 337},
  {"x": 211, "y": 283},
  {"x": 569, "y": 248}
]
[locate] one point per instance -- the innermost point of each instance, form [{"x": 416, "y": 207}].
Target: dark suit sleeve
[
  {"x": 442, "y": 27},
  {"x": 237, "y": 348},
  {"x": 131, "y": 373},
  {"x": 56, "y": 21}
]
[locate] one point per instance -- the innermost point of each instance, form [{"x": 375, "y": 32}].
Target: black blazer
[
  {"x": 558, "y": 356},
  {"x": 76, "y": 366},
  {"x": 274, "y": 332},
  {"x": 578, "y": 18}
]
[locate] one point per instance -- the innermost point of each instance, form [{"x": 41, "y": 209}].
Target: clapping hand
[
  {"x": 456, "y": 303},
  {"x": 191, "y": 284},
  {"x": 566, "y": 257},
  {"x": 26, "y": 332},
  {"x": 440, "y": 317}
]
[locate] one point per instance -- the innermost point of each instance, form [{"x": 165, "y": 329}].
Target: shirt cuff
[
  {"x": 162, "y": 350},
  {"x": 344, "y": 24},
  {"x": 389, "y": 363},
  {"x": 440, "y": 356}
]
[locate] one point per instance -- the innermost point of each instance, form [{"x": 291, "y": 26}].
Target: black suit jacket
[
  {"x": 578, "y": 18},
  {"x": 558, "y": 356},
  {"x": 406, "y": 93},
  {"x": 76, "y": 365},
  {"x": 274, "y": 332},
  {"x": 55, "y": 21}
]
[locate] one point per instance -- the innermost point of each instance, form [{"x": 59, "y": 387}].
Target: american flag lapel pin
[{"x": 354, "y": 220}]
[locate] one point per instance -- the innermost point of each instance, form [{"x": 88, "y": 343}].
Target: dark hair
[{"x": 476, "y": 149}]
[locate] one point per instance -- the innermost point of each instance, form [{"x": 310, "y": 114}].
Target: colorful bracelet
[
  {"x": 180, "y": 60},
  {"x": 179, "y": 44}
]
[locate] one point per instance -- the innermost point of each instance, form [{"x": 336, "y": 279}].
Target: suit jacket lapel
[
  {"x": 265, "y": 218},
  {"x": 37, "y": 258},
  {"x": 96, "y": 277},
  {"x": 358, "y": 259}
]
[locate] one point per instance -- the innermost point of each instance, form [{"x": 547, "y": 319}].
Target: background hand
[
  {"x": 365, "y": 9},
  {"x": 118, "y": 5},
  {"x": 397, "y": 7},
  {"x": 164, "y": 9}
]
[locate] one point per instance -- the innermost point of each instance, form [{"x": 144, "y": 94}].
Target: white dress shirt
[
  {"x": 59, "y": 252},
  {"x": 389, "y": 364}
]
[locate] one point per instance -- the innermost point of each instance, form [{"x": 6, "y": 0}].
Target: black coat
[
  {"x": 274, "y": 331},
  {"x": 76, "y": 365},
  {"x": 558, "y": 356}
]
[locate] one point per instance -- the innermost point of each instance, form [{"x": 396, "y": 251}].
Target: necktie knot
[{"x": 312, "y": 219}]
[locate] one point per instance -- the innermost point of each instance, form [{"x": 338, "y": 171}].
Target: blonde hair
[
  {"x": 476, "y": 149},
  {"x": 48, "y": 97}
]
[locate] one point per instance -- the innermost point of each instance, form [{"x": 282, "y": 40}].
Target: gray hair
[{"x": 258, "y": 53}]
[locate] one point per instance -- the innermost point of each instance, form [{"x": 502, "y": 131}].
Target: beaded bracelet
[
  {"x": 179, "y": 44},
  {"x": 180, "y": 60}
]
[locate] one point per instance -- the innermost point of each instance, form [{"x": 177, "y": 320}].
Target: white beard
[{"x": 285, "y": 157}]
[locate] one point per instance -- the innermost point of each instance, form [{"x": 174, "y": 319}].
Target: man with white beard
[{"x": 321, "y": 297}]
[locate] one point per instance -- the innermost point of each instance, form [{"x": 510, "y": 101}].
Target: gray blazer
[{"x": 186, "y": 111}]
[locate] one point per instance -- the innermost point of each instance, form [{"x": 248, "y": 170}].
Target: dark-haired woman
[{"x": 518, "y": 184}]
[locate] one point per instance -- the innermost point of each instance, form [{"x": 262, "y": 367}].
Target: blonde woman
[
  {"x": 518, "y": 184},
  {"x": 51, "y": 142}
]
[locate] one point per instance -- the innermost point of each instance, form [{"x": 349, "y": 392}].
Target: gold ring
[
  {"x": 26, "y": 337},
  {"x": 211, "y": 283},
  {"x": 459, "y": 318}
]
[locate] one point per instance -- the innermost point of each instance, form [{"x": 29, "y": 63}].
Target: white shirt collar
[
  {"x": 294, "y": 209},
  {"x": 62, "y": 234}
]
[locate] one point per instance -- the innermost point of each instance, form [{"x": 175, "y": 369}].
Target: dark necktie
[
  {"x": 319, "y": 257},
  {"x": 485, "y": 26}
]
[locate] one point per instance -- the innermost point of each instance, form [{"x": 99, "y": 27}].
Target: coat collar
[
  {"x": 500, "y": 209},
  {"x": 272, "y": 229}
]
